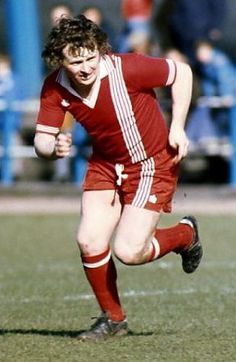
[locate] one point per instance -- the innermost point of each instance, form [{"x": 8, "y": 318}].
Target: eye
[
  {"x": 91, "y": 58},
  {"x": 76, "y": 63}
]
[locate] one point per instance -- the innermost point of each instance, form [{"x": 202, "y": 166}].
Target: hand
[
  {"x": 63, "y": 144},
  {"x": 179, "y": 141}
]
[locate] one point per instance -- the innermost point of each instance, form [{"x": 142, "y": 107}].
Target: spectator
[
  {"x": 218, "y": 73},
  {"x": 10, "y": 91},
  {"x": 140, "y": 42},
  {"x": 95, "y": 14},
  {"x": 218, "y": 81},
  {"x": 58, "y": 11},
  {"x": 6, "y": 77},
  {"x": 137, "y": 17},
  {"x": 187, "y": 21}
]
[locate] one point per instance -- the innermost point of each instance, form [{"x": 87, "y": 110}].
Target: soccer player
[{"x": 133, "y": 171}]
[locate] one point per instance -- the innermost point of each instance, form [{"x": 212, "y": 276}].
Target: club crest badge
[{"x": 65, "y": 103}]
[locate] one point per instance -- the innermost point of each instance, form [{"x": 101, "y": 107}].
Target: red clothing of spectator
[{"x": 136, "y": 8}]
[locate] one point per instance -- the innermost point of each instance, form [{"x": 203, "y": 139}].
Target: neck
[{"x": 83, "y": 90}]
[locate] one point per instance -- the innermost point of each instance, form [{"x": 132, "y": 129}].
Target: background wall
[{"x": 112, "y": 12}]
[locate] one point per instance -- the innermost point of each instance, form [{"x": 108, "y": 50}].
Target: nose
[{"x": 85, "y": 67}]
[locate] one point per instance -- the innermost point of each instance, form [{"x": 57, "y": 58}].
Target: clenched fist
[{"x": 63, "y": 144}]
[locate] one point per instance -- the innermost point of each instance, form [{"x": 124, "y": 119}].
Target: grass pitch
[{"x": 45, "y": 299}]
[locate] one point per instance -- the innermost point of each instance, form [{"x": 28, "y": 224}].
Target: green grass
[{"x": 45, "y": 299}]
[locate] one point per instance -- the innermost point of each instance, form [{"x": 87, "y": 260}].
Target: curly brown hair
[{"x": 77, "y": 32}]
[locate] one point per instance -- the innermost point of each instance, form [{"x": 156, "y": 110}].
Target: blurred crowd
[{"x": 189, "y": 31}]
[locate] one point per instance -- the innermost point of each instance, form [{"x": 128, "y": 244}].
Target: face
[
  {"x": 204, "y": 53},
  {"x": 58, "y": 13},
  {"x": 82, "y": 68},
  {"x": 94, "y": 15}
]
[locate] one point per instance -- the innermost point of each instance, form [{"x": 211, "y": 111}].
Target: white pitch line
[
  {"x": 133, "y": 294},
  {"x": 127, "y": 294}
]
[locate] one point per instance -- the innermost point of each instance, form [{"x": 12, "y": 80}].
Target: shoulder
[
  {"x": 128, "y": 58},
  {"x": 52, "y": 77},
  {"x": 221, "y": 59},
  {"x": 50, "y": 83},
  {"x": 142, "y": 71},
  {"x": 135, "y": 63}
]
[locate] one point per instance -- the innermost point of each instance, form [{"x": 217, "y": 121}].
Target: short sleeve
[
  {"x": 149, "y": 72},
  {"x": 51, "y": 113}
]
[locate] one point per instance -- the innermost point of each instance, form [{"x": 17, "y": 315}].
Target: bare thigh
[
  {"x": 100, "y": 215},
  {"x": 134, "y": 233}
]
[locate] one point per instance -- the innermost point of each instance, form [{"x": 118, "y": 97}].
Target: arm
[
  {"x": 181, "y": 96},
  {"x": 52, "y": 147},
  {"x": 49, "y": 142}
]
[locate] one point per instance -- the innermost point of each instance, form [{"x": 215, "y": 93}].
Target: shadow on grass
[{"x": 67, "y": 334}]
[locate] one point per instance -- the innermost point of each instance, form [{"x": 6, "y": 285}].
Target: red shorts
[{"x": 149, "y": 184}]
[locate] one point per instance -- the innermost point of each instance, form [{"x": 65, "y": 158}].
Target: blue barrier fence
[{"x": 9, "y": 151}]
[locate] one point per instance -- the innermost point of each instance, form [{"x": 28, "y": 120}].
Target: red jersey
[{"x": 122, "y": 115}]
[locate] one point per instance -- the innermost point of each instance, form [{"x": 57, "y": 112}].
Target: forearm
[
  {"x": 181, "y": 97},
  {"x": 52, "y": 147}
]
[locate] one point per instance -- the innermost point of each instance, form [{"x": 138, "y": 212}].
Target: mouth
[{"x": 86, "y": 76}]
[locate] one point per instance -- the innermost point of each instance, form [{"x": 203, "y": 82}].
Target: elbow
[
  {"x": 39, "y": 152},
  {"x": 44, "y": 145}
]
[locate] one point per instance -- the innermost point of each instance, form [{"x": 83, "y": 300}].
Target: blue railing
[{"x": 9, "y": 151}]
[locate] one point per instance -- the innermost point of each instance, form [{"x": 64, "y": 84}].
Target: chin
[{"x": 89, "y": 81}]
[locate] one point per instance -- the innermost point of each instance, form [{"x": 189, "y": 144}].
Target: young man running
[{"x": 133, "y": 171}]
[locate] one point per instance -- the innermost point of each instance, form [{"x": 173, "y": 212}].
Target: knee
[
  {"x": 81, "y": 241},
  {"x": 89, "y": 243},
  {"x": 128, "y": 255},
  {"x": 85, "y": 243}
]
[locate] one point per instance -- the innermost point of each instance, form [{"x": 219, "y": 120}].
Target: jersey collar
[{"x": 105, "y": 69}]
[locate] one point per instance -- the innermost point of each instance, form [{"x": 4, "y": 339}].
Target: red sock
[
  {"x": 101, "y": 274},
  {"x": 175, "y": 238}
]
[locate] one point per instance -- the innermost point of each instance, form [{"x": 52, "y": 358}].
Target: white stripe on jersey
[
  {"x": 47, "y": 129},
  {"x": 145, "y": 183},
  {"x": 124, "y": 111}
]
